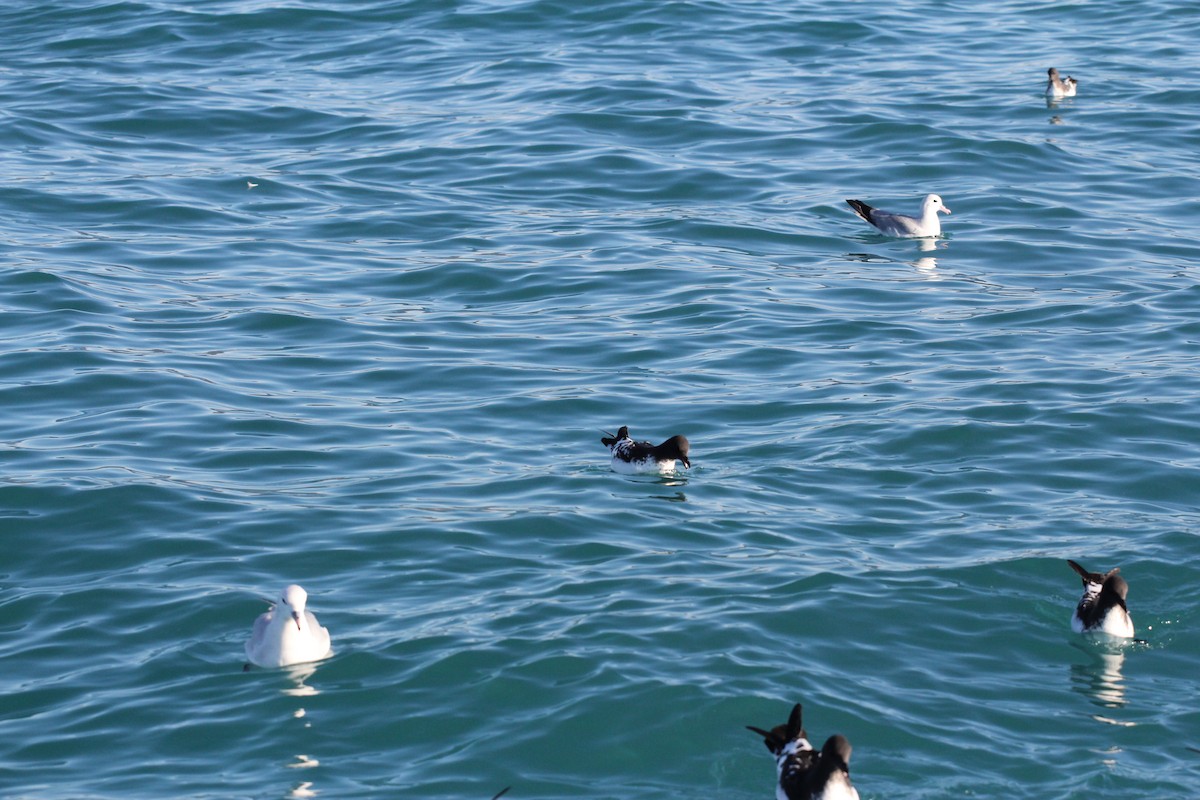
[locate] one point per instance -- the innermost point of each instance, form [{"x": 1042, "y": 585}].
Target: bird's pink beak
[
  {"x": 296, "y": 616},
  {"x": 944, "y": 210}
]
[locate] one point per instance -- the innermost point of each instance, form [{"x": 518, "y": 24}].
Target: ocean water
[{"x": 343, "y": 294}]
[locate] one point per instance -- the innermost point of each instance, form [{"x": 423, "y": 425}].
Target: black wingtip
[
  {"x": 1092, "y": 577},
  {"x": 1083, "y": 573},
  {"x": 795, "y": 725},
  {"x": 772, "y": 740},
  {"x": 500, "y": 793},
  {"x": 862, "y": 209},
  {"x": 610, "y": 440}
]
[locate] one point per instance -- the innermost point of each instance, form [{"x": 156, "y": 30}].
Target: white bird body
[
  {"x": 1116, "y": 622},
  {"x": 1059, "y": 87},
  {"x": 288, "y": 633},
  {"x": 838, "y": 788},
  {"x": 891, "y": 224}
]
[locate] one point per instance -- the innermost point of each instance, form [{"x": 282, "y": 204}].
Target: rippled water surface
[{"x": 343, "y": 294}]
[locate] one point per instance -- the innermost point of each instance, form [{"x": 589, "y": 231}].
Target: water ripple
[{"x": 345, "y": 296}]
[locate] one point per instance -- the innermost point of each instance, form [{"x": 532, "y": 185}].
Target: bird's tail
[{"x": 861, "y": 208}]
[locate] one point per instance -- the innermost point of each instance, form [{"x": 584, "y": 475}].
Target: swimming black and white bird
[
  {"x": 288, "y": 633},
  {"x": 1057, "y": 87},
  {"x": 1102, "y": 607},
  {"x": 629, "y": 456},
  {"x": 805, "y": 773},
  {"x": 928, "y": 224}
]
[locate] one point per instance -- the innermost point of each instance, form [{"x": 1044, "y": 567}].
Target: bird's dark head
[
  {"x": 677, "y": 447},
  {"x": 837, "y": 749}
]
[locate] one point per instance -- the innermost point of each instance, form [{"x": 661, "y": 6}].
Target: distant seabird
[
  {"x": 1057, "y": 87},
  {"x": 629, "y": 456}
]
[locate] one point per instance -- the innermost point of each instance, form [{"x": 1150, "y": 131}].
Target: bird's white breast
[{"x": 838, "y": 788}]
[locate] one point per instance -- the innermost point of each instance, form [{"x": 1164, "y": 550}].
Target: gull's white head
[
  {"x": 293, "y": 600},
  {"x": 935, "y": 203}
]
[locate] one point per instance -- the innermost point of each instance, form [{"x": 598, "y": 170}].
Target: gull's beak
[
  {"x": 944, "y": 210},
  {"x": 296, "y": 616},
  {"x": 686, "y": 463}
]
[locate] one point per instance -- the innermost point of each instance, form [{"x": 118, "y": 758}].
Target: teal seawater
[{"x": 343, "y": 293}]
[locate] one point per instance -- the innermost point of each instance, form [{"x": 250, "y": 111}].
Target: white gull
[
  {"x": 288, "y": 633},
  {"x": 892, "y": 224}
]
